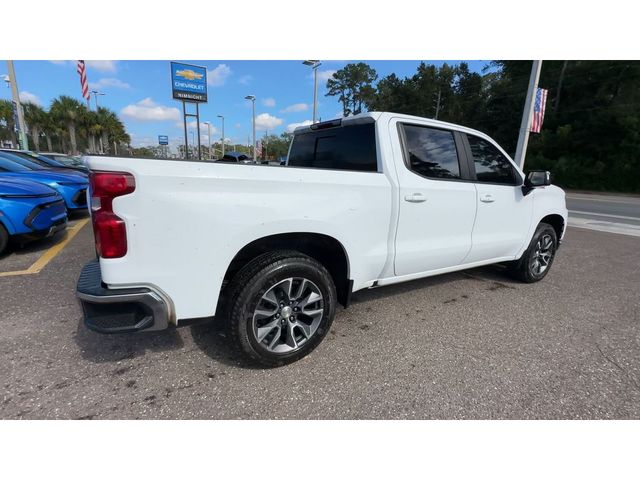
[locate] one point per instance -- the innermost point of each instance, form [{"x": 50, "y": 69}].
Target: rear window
[{"x": 352, "y": 147}]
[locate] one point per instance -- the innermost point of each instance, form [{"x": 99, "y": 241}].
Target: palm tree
[
  {"x": 110, "y": 125},
  {"x": 90, "y": 127},
  {"x": 35, "y": 118},
  {"x": 68, "y": 111},
  {"x": 7, "y": 125},
  {"x": 50, "y": 130}
]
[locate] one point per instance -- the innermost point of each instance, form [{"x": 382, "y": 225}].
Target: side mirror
[{"x": 536, "y": 178}]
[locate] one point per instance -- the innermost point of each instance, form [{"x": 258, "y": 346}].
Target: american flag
[
  {"x": 538, "y": 110},
  {"x": 82, "y": 71}
]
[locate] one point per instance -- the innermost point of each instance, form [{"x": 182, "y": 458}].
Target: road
[
  {"x": 609, "y": 213},
  {"x": 469, "y": 345}
]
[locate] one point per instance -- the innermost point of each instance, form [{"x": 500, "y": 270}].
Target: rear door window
[{"x": 352, "y": 147}]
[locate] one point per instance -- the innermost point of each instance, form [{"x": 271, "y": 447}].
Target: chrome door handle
[
  {"x": 487, "y": 198},
  {"x": 415, "y": 198}
]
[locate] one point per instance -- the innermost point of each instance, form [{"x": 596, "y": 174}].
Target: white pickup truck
[{"x": 365, "y": 201}]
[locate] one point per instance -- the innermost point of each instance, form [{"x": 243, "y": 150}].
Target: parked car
[
  {"x": 45, "y": 161},
  {"x": 365, "y": 201},
  {"x": 235, "y": 157},
  {"x": 67, "y": 160},
  {"x": 71, "y": 185},
  {"x": 28, "y": 211}
]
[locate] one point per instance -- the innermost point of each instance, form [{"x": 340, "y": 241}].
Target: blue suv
[
  {"x": 29, "y": 211},
  {"x": 71, "y": 185}
]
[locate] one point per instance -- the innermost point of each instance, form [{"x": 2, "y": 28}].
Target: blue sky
[{"x": 140, "y": 92}]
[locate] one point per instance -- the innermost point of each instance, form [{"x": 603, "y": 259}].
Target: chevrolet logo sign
[{"x": 189, "y": 74}]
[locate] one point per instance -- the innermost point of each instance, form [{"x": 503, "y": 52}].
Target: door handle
[
  {"x": 415, "y": 198},
  {"x": 486, "y": 198}
]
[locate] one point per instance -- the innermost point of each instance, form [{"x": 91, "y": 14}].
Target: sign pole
[
  {"x": 527, "y": 115},
  {"x": 184, "y": 122},
  {"x": 198, "y": 126}
]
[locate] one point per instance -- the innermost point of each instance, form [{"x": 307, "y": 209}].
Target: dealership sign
[
  {"x": 188, "y": 82},
  {"x": 163, "y": 139}
]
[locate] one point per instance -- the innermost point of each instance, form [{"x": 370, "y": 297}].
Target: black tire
[
  {"x": 256, "y": 280},
  {"x": 4, "y": 238},
  {"x": 526, "y": 269}
]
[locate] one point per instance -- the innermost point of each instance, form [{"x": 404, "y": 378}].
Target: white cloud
[
  {"x": 108, "y": 83},
  {"x": 296, "y": 107},
  {"x": 292, "y": 126},
  {"x": 264, "y": 121},
  {"x": 102, "y": 65},
  {"x": 218, "y": 75},
  {"x": 204, "y": 129},
  {"x": 269, "y": 102},
  {"x": 245, "y": 79},
  {"x": 28, "y": 97},
  {"x": 59, "y": 62},
  {"x": 148, "y": 110},
  {"x": 324, "y": 75}
]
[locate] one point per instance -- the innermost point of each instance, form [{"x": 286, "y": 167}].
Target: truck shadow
[
  {"x": 212, "y": 341},
  {"x": 494, "y": 275},
  {"x": 101, "y": 348}
]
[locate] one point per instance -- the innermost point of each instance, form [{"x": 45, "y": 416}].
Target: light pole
[
  {"x": 253, "y": 101},
  {"x": 208, "y": 124},
  {"x": 314, "y": 64},
  {"x": 95, "y": 97},
  {"x": 222, "y": 117}
]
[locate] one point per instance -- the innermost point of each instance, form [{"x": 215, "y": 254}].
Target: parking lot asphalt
[{"x": 469, "y": 345}]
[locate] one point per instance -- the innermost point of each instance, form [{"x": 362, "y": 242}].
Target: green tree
[
  {"x": 353, "y": 85},
  {"x": 68, "y": 112},
  {"x": 7, "y": 124}
]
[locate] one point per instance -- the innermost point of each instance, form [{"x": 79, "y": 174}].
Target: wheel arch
[
  {"x": 556, "y": 221},
  {"x": 327, "y": 250}
]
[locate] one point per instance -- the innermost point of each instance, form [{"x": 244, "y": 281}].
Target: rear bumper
[{"x": 119, "y": 310}]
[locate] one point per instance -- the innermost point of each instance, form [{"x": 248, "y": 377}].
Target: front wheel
[
  {"x": 281, "y": 306},
  {"x": 536, "y": 261}
]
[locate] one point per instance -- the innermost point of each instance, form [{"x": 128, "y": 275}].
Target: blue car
[
  {"x": 29, "y": 211},
  {"x": 71, "y": 185},
  {"x": 46, "y": 161}
]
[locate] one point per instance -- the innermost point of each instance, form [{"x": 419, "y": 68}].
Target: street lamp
[
  {"x": 208, "y": 124},
  {"x": 253, "y": 101},
  {"x": 95, "y": 97},
  {"x": 314, "y": 64},
  {"x": 222, "y": 117}
]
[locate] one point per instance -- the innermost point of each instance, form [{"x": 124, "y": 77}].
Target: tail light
[{"x": 109, "y": 230}]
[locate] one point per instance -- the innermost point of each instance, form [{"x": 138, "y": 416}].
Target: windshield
[
  {"x": 66, "y": 160},
  {"x": 37, "y": 159},
  {"x": 29, "y": 164},
  {"x": 10, "y": 166}
]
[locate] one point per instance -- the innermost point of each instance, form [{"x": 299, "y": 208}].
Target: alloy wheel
[
  {"x": 288, "y": 315},
  {"x": 542, "y": 255}
]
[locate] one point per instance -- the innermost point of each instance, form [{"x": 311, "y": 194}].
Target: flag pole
[{"x": 527, "y": 114}]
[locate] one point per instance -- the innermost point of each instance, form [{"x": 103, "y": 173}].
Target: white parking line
[
  {"x": 604, "y": 215},
  {"x": 609, "y": 227}
]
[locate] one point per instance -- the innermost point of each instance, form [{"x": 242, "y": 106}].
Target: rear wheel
[
  {"x": 536, "y": 261},
  {"x": 4, "y": 238},
  {"x": 280, "y": 307}
]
